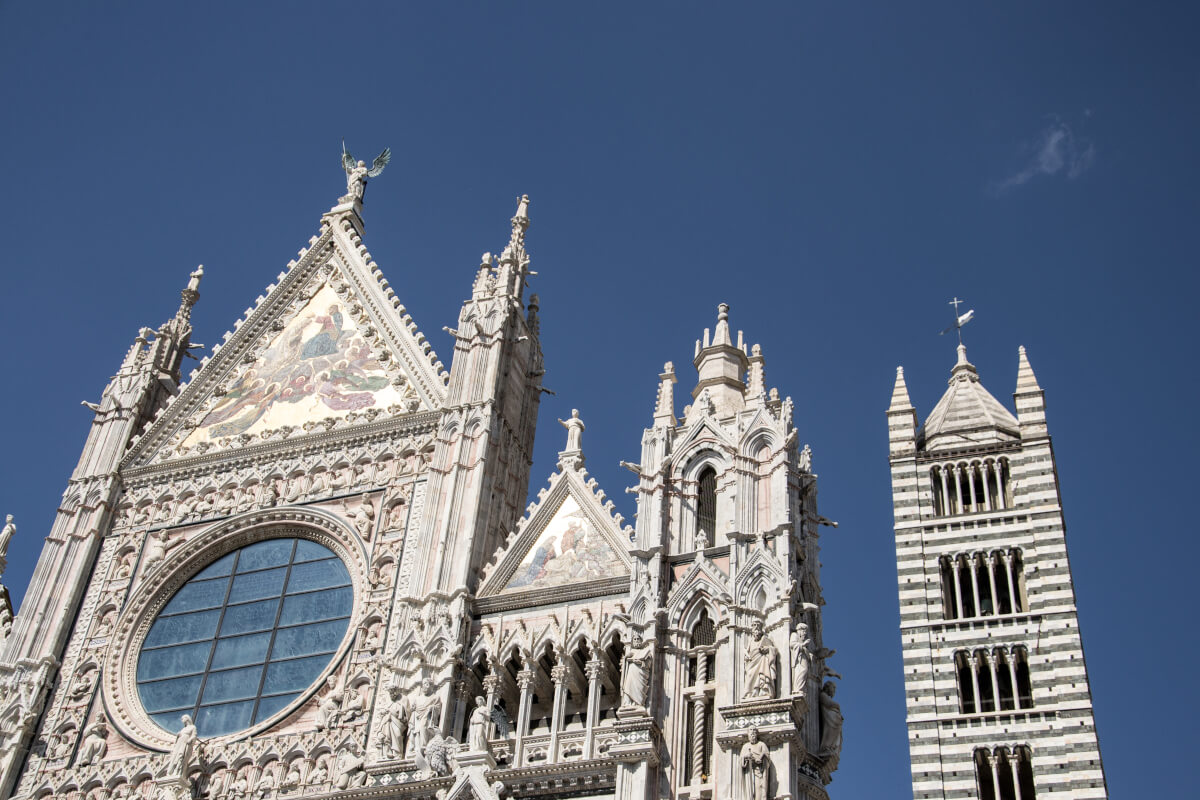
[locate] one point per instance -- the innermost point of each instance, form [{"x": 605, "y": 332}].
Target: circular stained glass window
[{"x": 245, "y": 636}]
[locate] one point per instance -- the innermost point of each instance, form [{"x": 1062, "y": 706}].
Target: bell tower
[{"x": 998, "y": 704}]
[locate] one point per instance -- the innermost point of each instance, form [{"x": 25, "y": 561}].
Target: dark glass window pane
[
  {"x": 220, "y": 567},
  {"x": 320, "y": 637},
  {"x": 224, "y": 633},
  {"x": 198, "y": 594},
  {"x": 183, "y": 628},
  {"x": 258, "y": 585},
  {"x": 318, "y": 575},
  {"x": 328, "y": 604},
  {"x": 250, "y": 617},
  {"x": 271, "y": 553},
  {"x": 241, "y": 650},
  {"x": 184, "y": 659},
  {"x": 310, "y": 551},
  {"x": 218, "y": 720},
  {"x": 233, "y": 684},
  {"x": 293, "y": 676},
  {"x": 269, "y": 706},
  {"x": 170, "y": 721},
  {"x": 177, "y": 693}
]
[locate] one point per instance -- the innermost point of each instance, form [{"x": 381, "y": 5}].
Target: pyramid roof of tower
[{"x": 967, "y": 414}]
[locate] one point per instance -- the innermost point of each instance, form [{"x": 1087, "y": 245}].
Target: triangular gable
[
  {"x": 705, "y": 427},
  {"x": 569, "y": 538},
  {"x": 329, "y": 344},
  {"x": 471, "y": 784}
]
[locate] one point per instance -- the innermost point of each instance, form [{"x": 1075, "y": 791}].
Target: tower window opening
[
  {"x": 983, "y": 669},
  {"x": 706, "y": 504},
  {"x": 1024, "y": 685},
  {"x": 966, "y": 685}
]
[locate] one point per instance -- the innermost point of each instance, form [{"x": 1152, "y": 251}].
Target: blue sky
[{"x": 835, "y": 172}]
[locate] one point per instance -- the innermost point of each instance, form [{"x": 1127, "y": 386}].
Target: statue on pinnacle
[{"x": 357, "y": 172}]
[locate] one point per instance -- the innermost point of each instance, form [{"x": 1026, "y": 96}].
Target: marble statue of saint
[
  {"x": 426, "y": 717},
  {"x": 329, "y": 710},
  {"x": 801, "y": 647},
  {"x": 575, "y": 428},
  {"x": 395, "y": 731},
  {"x": 477, "y": 741},
  {"x": 94, "y": 746},
  {"x": 179, "y": 759},
  {"x": 293, "y": 778},
  {"x": 265, "y": 785},
  {"x": 349, "y": 768},
  {"x": 357, "y": 172},
  {"x": 831, "y": 722},
  {"x": 6, "y": 534},
  {"x": 239, "y": 788},
  {"x": 760, "y": 661},
  {"x": 756, "y": 768},
  {"x": 635, "y": 673}
]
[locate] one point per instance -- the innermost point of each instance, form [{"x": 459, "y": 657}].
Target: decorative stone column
[
  {"x": 491, "y": 683},
  {"x": 558, "y": 675},
  {"x": 524, "y": 682},
  {"x": 595, "y": 669}
]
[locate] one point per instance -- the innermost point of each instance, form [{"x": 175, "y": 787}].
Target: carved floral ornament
[{"x": 120, "y": 691}]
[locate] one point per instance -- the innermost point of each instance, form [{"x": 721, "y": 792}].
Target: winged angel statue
[{"x": 357, "y": 171}]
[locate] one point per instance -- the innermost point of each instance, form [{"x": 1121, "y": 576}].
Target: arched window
[
  {"x": 1024, "y": 685},
  {"x": 949, "y": 599},
  {"x": 1004, "y": 681},
  {"x": 966, "y": 585},
  {"x": 706, "y": 505},
  {"x": 1024, "y": 759},
  {"x": 983, "y": 672},
  {"x": 983, "y": 775},
  {"x": 966, "y": 684},
  {"x": 704, "y": 633},
  {"x": 1018, "y": 581}
]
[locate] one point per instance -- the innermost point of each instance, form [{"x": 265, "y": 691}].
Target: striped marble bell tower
[{"x": 998, "y": 704}]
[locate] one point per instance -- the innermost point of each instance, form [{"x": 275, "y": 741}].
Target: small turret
[
  {"x": 721, "y": 366},
  {"x": 664, "y": 409}
]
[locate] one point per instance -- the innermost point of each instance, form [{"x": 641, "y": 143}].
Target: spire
[
  {"x": 722, "y": 334},
  {"x": 1026, "y": 380},
  {"x": 1029, "y": 399},
  {"x": 190, "y": 294},
  {"x": 514, "y": 261},
  {"x": 664, "y": 409},
  {"x": 902, "y": 419},
  {"x": 900, "y": 401},
  {"x": 967, "y": 414},
  {"x": 963, "y": 366}
]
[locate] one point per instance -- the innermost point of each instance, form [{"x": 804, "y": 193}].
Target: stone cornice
[{"x": 409, "y": 424}]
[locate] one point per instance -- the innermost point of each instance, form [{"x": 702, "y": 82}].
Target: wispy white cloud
[{"x": 1055, "y": 151}]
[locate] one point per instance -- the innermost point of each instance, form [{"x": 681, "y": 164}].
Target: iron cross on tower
[{"x": 959, "y": 319}]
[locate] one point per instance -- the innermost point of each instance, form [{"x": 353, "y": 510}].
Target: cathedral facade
[
  {"x": 996, "y": 688},
  {"x": 310, "y": 571}
]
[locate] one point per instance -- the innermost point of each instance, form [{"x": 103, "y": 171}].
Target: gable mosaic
[
  {"x": 570, "y": 550},
  {"x": 318, "y": 366}
]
